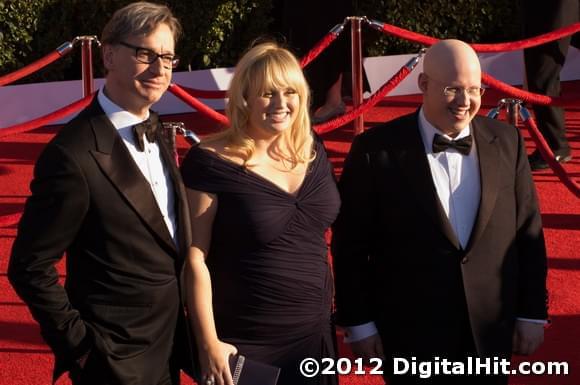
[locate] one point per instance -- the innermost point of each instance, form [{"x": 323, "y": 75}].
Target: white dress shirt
[
  {"x": 149, "y": 161},
  {"x": 456, "y": 179}
]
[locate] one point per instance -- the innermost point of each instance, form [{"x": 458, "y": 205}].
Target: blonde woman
[{"x": 262, "y": 195}]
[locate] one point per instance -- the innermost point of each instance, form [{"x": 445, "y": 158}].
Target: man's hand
[
  {"x": 367, "y": 348},
  {"x": 527, "y": 338}
]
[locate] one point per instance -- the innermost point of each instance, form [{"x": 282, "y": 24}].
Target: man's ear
[
  {"x": 422, "y": 81},
  {"x": 108, "y": 54}
]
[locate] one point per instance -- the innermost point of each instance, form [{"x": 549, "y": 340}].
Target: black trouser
[{"x": 544, "y": 63}]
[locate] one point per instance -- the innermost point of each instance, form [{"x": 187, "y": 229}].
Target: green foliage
[
  {"x": 216, "y": 32},
  {"x": 219, "y": 31},
  {"x": 48, "y": 24},
  {"x": 18, "y": 20}
]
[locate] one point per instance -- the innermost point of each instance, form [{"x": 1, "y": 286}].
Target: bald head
[
  {"x": 447, "y": 59},
  {"x": 451, "y": 85}
]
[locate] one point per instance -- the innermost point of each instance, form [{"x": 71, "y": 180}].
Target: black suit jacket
[
  {"x": 121, "y": 299},
  {"x": 398, "y": 262}
]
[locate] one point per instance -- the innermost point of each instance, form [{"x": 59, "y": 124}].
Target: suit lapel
[
  {"x": 181, "y": 206},
  {"x": 410, "y": 154},
  {"x": 487, "y": 151},
  {"x": 117, "y": 164}
]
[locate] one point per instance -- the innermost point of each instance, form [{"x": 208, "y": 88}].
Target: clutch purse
[{"x": 249, "y": 372}]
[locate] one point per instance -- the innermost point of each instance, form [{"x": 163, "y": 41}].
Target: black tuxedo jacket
[
  {"x": 398, "y": 262},
  {"x": 121, "y": 300}
]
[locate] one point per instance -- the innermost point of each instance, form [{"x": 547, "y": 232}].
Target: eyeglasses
[
  {"x": 147, "y": 56},
  {"x": 471, "y": 91}
]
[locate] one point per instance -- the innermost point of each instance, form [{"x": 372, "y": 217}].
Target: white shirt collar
[
  {"x": 428, "y": 132},
  {"x": 117, "y": 115}
]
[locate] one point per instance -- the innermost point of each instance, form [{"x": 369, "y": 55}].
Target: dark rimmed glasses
[{"x": 147, "y": 56}]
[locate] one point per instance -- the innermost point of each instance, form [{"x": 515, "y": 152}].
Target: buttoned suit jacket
[
  {"x": 399, "y": 263},
  {"x": 121, "y": 297}
]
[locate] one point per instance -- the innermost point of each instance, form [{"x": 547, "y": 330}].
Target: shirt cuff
[
  {"x": 534, "y": 321},
  {"x": 359, "y": 332}
]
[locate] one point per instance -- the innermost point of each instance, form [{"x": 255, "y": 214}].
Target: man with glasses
[
  {"x": 438, "y": 248},
  {"x": 107, "y": 192}
]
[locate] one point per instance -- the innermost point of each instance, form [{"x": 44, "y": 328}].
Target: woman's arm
[{"x": 213, "y": 353}]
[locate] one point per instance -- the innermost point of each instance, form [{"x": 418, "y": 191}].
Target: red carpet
[{"x": 25, "y": 359}]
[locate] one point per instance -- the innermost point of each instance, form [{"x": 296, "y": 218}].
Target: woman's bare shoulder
[{"x": 217, "y": 145}]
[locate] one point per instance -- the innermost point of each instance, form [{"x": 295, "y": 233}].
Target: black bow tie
[
  {"x": 146, "y": 127},
  {"x": 463, "y": 145}
]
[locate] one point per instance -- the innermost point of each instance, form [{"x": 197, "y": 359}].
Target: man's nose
[
  {"x": 463, "y": 97},
  {"x": 157, "y": 66}
]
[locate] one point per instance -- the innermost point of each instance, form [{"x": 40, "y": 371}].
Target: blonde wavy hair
[{"x": 263, "y": 67}]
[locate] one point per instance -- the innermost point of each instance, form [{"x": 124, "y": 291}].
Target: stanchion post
[
  {"x": 512, "y": 112},
  {"x": 512, "y": 109},
  {"x": 357, "y": 74},
  {"x": 87, "y": 62}
]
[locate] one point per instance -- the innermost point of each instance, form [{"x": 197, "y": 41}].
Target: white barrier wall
[
  {"x": 22, "y": 103},
  {"x": 25, "y": 102},
  {"x": 505, "y": 66}
]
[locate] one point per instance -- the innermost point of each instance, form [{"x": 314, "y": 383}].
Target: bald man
[{"x": 438, "y": 248}]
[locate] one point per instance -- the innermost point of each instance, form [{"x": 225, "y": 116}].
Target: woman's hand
[{"x": 215, "y": 368}]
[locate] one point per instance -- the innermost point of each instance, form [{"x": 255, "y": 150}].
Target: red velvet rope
[
  {"x": 548, "y": 155},
  {"x": 46, "y": 119},
  {"x": 367, "y": 105},
  {"x": 528, "y": 43},
  {"x": 32, "y": 67},
  {"x": 526, "y": 96},
  {"x": 320, "y": 128},
  {"x": 10, "y": 219},
  {"x": 199, "y": 106},
  {"x": 318, "y": 48},
  {"x": 409, "y": 35},
  {"x": 307, "y": 59},
  {"x": 486, "y": 78},
  {"x": 500, "y": 47}
]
